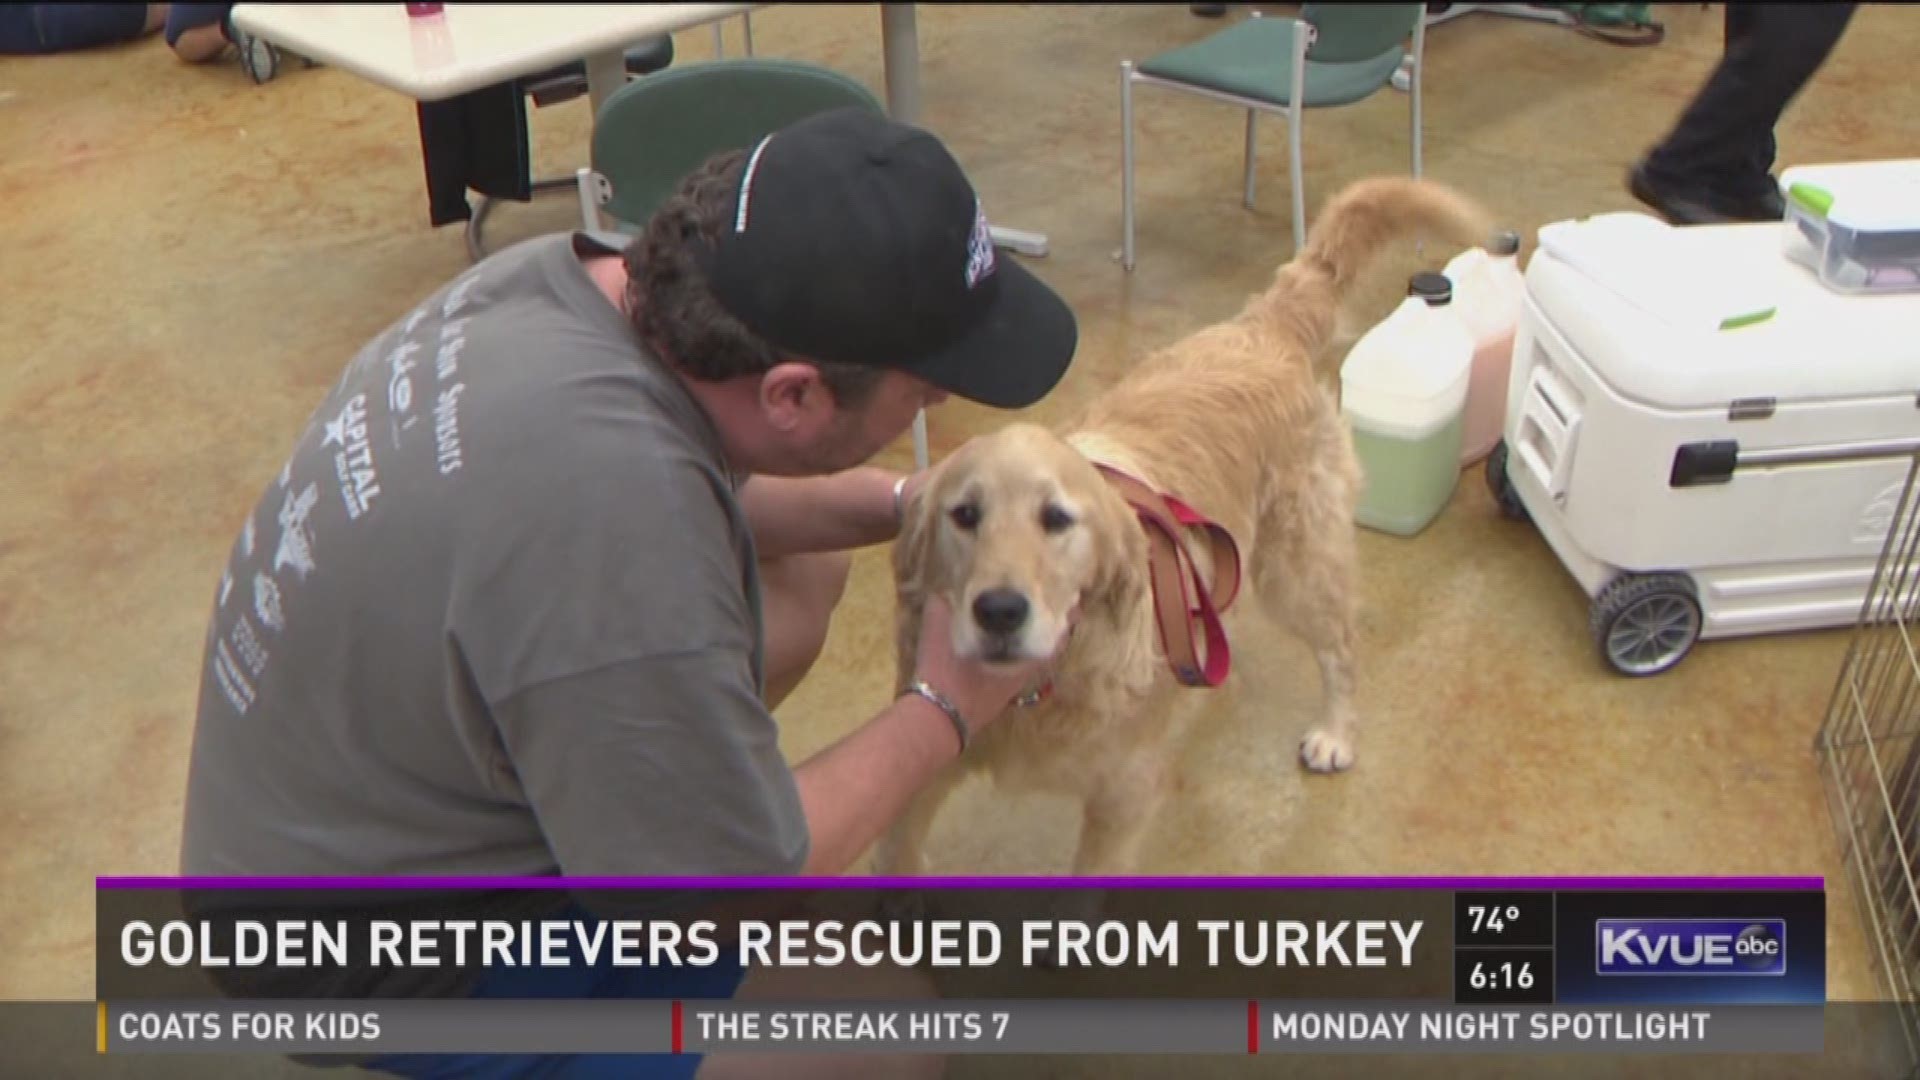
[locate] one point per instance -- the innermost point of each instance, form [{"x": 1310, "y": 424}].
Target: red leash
[{"x": 1181, "y": 598}]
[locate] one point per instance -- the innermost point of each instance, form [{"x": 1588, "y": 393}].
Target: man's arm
[
  {"x": 853, "y": 790},
  {"x": 825, "y": 513}
]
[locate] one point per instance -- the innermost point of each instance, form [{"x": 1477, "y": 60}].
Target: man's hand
[
  {"x": 855, "y": 788},
  {"x": 982, "y": 692}
]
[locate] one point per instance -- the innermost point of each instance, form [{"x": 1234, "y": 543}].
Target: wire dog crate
[{"x": 1870, "y": 742}]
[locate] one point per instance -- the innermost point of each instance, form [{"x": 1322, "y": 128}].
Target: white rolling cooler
[{"x": 1712, "y": 441}]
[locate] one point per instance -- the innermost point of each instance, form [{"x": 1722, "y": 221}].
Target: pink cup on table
[{"x": 421, "y": 11}]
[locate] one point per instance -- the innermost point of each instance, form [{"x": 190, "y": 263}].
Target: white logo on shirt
[
  {"x": 452, "y": 339},
  {"x": 353, "y": 465},
  {"x": 266, "y": 603},
  {"x": 400, "y": 385},
  {"x": 233, "y": 684},
  {"x": 252, "y": 651},
  {"x": 446, "y": 428},
  {"x": 296, "y": 544}
]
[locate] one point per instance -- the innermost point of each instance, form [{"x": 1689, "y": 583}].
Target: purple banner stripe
[{"x": 1302, "y": 883}]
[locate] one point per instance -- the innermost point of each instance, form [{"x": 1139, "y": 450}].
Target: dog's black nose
[{"x": 1000, "y": 611}]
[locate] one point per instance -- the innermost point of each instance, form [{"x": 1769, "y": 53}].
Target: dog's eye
[
  {"x": 1053, "y": 519},
  {"x": 966, "y": 516}
]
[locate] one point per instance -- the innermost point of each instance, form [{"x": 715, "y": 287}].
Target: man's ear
[{"x": 795, "y": 398}]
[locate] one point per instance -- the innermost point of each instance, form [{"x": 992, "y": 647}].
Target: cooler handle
[{"x": 1549, "y": 425}]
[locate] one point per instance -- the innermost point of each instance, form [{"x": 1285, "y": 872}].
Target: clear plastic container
[
  {"x": 1488, "y": 291},
  {"x": 1403, "y": 389},
  {"x": 1856, "y": 225}
]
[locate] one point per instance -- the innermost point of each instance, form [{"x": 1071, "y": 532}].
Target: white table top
[{"x": 467, "y": 46}]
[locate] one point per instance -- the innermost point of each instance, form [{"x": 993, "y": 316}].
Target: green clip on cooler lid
[
  {"x": 1815, "y": 200},
  {"x": 1863, "y": 196}
]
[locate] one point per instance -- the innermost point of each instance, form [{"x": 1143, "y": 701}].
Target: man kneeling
[{"x": 531, "y": 582}]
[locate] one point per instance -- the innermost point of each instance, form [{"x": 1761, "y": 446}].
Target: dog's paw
[{"x": 1325, "y": 751}]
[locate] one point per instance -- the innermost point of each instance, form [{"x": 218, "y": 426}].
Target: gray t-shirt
[{"x": 499, "y": 614}]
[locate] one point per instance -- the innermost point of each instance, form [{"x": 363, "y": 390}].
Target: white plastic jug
[
  {"x": 1488, "y": 291},
  {"x": 1403, "y": 389}
]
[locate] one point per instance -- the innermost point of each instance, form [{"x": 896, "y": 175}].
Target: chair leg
[
  {"x": 1294, "y": 115},
  {"x": 1247, "y": 199},
  {"x": 719, "y": 42},
  {"x": 1413, "y": 85},
  {"x": 1126, "y": 164},
  {"x": 746, "y": 31},
  {"x": 1414, "y": 98},
  {"x": 589, "y": 206}
]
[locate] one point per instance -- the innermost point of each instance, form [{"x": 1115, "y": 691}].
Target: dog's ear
[
  {"x": 1120, "y": 554},
  {"x": 912, "y": 563},
  {"x": 1120, "y": 597},
  {"x": 913, "y": 550}
]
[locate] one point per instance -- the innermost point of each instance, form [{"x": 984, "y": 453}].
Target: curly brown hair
[{"x": 671, "y": 305}]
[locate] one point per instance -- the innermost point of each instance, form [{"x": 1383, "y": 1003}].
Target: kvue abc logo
[{"x": 1690, "y": 946}]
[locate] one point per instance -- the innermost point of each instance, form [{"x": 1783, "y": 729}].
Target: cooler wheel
[
  {"x": 1645, "y": 623},
  {"x": 257, "y": 55},
  {"x": 1504, "y": 495}
]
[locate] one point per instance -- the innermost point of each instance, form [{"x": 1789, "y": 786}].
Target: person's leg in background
[
  {"x": 197, "y": 33},
  {"x": 1716, "y": 163},
  {"x": 44, "y": 29}
]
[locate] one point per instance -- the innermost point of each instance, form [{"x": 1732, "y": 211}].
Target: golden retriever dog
[{"x": 1019, "y": 528}]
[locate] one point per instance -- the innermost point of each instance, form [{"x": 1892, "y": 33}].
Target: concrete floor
[{"x": 187, "y": 259}]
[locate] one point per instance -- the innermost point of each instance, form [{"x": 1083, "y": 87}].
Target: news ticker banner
[
  {"x": 1014, "y": 1026},
  {"x": 1175, "y": 965}
]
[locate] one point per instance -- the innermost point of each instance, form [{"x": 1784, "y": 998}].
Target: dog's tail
[{"x": 1352, "y": 230}]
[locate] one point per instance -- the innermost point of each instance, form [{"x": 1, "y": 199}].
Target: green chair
[
  {"x": 1334, "y": 54},
  {"x": 651, "y": 133}
]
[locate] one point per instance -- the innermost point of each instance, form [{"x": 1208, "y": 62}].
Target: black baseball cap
[{"x": 858, "y": 240}]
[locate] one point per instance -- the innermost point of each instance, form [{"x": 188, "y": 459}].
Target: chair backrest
[
  {"x": 1349, "y": 33},
  {"x": 655, "y": 130}
]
